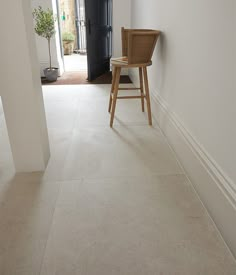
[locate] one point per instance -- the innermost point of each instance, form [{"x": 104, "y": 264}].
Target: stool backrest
[{"x": 138, "y": 44}]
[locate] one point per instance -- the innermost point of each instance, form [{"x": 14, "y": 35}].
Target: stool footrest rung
[
  {"x": 128, "y": 89},
  {"x": 128, "y": 97}
]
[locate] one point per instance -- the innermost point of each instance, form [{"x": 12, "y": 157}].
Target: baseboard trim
[
  {"x": 222, "y": 180},
  {"x": 214, "y": 187}
]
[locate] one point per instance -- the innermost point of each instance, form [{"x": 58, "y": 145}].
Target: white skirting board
[{"x": 215, "y": 189}]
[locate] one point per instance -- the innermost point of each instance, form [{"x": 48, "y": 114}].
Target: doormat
[{"x": 75, "y": 78}]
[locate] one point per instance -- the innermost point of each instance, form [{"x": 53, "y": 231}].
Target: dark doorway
[{"x": 99, "y": 36}]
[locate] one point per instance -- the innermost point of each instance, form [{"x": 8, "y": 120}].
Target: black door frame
[{"x": 97, "y": 68}]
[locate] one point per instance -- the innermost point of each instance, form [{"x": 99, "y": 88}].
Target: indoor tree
[{"x": 45, "y": 27}]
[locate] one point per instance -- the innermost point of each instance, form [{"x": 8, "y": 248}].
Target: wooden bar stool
[{"x": 137, "y": 49}]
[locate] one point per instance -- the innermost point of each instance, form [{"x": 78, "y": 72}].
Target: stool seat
[{"x": 137, "y": 50}]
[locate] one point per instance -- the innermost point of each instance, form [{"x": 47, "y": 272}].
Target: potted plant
[
  {"x": 68, "y": 39},
  {"x": 45, "y": 27}
]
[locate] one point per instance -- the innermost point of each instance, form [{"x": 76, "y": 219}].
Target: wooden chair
[{"x": 137, "y": 49}]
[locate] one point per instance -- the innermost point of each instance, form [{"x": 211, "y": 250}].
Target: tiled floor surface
[
  {"x": 75, "y": 62},
  {"x": 112, "y": 201}
]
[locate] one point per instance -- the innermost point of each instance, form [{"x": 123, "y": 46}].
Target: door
[{"x": 98, "y": 31}]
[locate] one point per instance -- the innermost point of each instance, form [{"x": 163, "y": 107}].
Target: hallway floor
[{"x": 112, "y": 201}]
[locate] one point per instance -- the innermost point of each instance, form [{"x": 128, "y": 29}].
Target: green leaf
[
  {"x": 44, "y": 22},
  {"x": 45, "y": 25}
]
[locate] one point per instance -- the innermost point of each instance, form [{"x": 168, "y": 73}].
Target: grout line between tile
[{"x": 50, "y": 228}]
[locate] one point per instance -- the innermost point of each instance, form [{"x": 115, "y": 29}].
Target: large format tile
[
  {"x": 149, "y": 225},
  {"x": 60, "y": 92},
  {"x": 122, "y": 151},
  {"x": 65, "y": 92},
  {"x": 95, "y": 113},
  {"x": 59, "y": 145},
  {"x": 61, "y": 113},
  {"x": 94, "y": 91},
  {"x": 26, "y": 209},
  {"x": 144, "y": 218}
]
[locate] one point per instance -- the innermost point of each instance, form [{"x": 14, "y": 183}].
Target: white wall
[
  {"x": 21, "y": 90},
  {"x": 193, "y": 76},
  {"x": 234, "y": 24},
  {"x": 42, "y": 46},
  {"x": 121, "y": 18}
]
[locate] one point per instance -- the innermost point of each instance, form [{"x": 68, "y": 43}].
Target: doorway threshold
[
  {"x": 75, "y": 62},
  {"x": 80, "y": 77}
]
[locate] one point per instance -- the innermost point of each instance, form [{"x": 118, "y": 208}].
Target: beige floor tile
[
  {"x": 59, "y": 145},
  {"x": 121, "y": 151},
  {"x": 152, "y": 225},
  {"x": 26, "y": 210},
  {"x": 61, "y": 114},
  {"x": 66, "y": 92},
  {"x": 93, "y": 92},
  {"x": 144, "y": 218},
  {"x": 95, "y": 113},
  {"x": 60, "y": 92}
]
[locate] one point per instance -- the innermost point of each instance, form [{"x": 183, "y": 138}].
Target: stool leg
[
  {"x": 116, "y": 86},
  {"x": 112, "y": 89},
  {"x": 141, "y": 87},
  {"x": 147, "y": 95}
]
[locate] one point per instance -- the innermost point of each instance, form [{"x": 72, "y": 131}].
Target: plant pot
[
  {"x": 68, "y": 47},
  {"x": 51, "y": 74}
]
